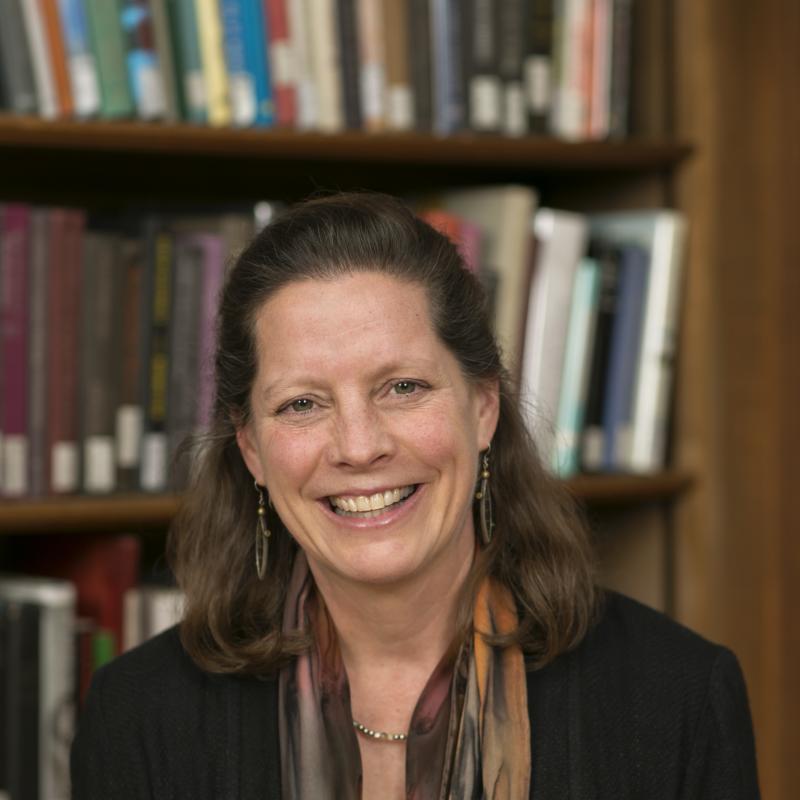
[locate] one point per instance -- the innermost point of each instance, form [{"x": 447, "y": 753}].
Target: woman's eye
[
  {"x": 405, "y": 387},
  {"x": 300, "y": 406}
]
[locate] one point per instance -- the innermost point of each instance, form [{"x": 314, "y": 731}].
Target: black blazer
[{"x": 643, "y": 708}]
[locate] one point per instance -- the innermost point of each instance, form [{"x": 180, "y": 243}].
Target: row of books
[
  {"x": 107, "y": 342},
  {"x": 504, "y": 66},
  {"x": 78, "y": 606}
]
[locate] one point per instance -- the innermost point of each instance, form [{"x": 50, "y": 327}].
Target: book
[
  {"x": 141, "y": 56},
  {"x": 101, "y": 297},
  {"x": 15, "y": 236},
  {"x": 81, "y": 62},
  {"x": 131, "y": 363},
  {"x": 347, "y": 28},
  {"x": 157, "y": 295},
  {"x": 191, "y": 82},
  {"x": 662, "y": 235},
  {"x": 504, "y": 215},
  {"x": 65, "y": 264},
  {"x": 419, "y": 38},
  {"x": 16, "y": 68},
  {"x": 281, "y": 62},
  {"x": 623, "y": 358},
  {"x": 45, "y": 682},
  {"x": 37, "y": 353},
  {"x": 538, "y": 63},
  {"x": 561, "y": 238},
  {"x": 325, "y": 65},
  {"x": 372, "y": 63},
  {"x": 108, "y": 46},
  {"x": 510, "y": 66},
  {"x": 484, "y": 88},
  {"x": 446, "y": 66},
  {"x": 168, "y": 68},
  {"x": 245, "y": 37},
  {"x": 306, "y": 111},
  {"x": 399, "y": 102},
  {"x": 212, "y": 54},
  {"x": 575, "y": 374},
  {"x": 41, "y": 60},
  {"x": 568, "y": 117},
  {"x": 598, "y": 115},
  {"x": 54, "y": 41},
  {"x": 149, "y": 610},
  {"x": 593, "y": 441},
  {"x": 621, "y": 61}
]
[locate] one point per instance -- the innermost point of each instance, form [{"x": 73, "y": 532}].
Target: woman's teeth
[{"x": 369, "y": 505}]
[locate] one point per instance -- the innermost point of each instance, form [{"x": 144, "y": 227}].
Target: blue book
[
  {"x": 144, "y": 66},
  {"x": 245, "y": 37},
  {"x": 626, "y": 339}
]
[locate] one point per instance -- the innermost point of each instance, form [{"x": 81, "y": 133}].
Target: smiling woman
[{"x": 386, "y": 594}]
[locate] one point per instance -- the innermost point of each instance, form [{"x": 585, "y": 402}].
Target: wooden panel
[{"x": 737, "y": 557}]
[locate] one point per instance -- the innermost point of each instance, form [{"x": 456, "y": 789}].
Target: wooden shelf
[
  {"x": 465, "y": 151},
  {"x": 139, "y": 512}
]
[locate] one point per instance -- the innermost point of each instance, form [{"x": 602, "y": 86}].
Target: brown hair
[{"x": 540, "y": 549}]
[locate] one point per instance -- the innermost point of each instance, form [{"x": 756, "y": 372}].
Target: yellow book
[{"x": 212, "y": 54}]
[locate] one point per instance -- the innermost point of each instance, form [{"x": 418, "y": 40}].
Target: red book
[
  {"x": 15, "y": 224},
  {"x": 280, "y": 61}
]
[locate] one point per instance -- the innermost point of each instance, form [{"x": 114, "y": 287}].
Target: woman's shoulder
[{"x": 647, "y": 707}]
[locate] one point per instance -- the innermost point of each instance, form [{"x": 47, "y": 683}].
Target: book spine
[
  {"x": 144, "y": 67},
  {"x": 66, "y": 247},
  {"x": 191, "y": 81},
  {"x": 15, "y": 232},
  {"x": 281, "y": 62},
  {"x": 620, "y": 79},
  {"x": 593, "y": 437},
  {"x": 575, "y": 377},
  {"x": 599, "y": 107},
  {"x": 241, "y": 81},
  {"x": 82, "y": 65},
  {"x": 165, "y": 52},
  {"x": 40, "y": 59},
  {"x": 16, "y": 68},
  {"x": 100, "y": 299},
  {"x": 538, "y": 64},
  {"x": 372, "y": 64},
  {"x": 108, "y": 45},
  {"x": 623, "y": 358},
  {"x": 399, "y": 102},
  {"x": 213, "y": 273},
  {"x": 37, "y": 354},
  {"x": 325, "y": 64},
  {"x": 54, "y": 41},
  {"x": 446, "y": 43},
  {"x": 419, "y": 42},
  {"x": 307, "y": 103},
  {"x": 256, "y": 28},
  {"x": 347, "y": 28},
  {"x": 510, "y": 66},
  {"x": 130, "y": 411},
  {"x": 154, "y": 466},
  {"x": 483, "y": 80},
  {"x": 209, "y": 26}
]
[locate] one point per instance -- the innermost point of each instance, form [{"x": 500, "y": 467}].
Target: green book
[{"x": 108, "y": 45}]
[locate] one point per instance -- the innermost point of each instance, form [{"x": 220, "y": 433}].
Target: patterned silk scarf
[{"x": 469, "y": 737}]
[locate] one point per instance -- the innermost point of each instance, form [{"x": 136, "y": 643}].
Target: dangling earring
[
  {"x": 484, "y": 498},
  {"x": 262, "y": 535}
]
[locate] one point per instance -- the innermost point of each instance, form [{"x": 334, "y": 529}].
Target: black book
[
  {"x": 347, "y": 29},
  {"x": 538, "y": 63},
  {"x": 419, "y": 43}
]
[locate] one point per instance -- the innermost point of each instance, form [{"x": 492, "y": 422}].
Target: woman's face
[{"x": 364, "y": 431}]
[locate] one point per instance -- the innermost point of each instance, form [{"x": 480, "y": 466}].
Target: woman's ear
[
  {"x": 245, "y": 439},
  {"x": 488, "y": 411}
]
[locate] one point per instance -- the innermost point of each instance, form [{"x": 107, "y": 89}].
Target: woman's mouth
[{"x": 373, "y": 505}]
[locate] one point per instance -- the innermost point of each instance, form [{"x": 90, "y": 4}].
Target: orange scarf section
[{"x": 469, "y": 737}]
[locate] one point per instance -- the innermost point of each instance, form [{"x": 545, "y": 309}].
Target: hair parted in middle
[{"x": 540, "y": 549}]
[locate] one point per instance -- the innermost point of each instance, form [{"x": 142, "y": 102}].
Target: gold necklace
[{"x": 380, "y": 735}]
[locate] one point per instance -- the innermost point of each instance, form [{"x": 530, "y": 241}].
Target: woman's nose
[{"x": 361, "y": 437}]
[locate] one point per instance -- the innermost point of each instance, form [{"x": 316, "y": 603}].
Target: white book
[
  {"x": 504, "y": 215},
  {"x": 307, "y": 102},
  {"x": 56, "y": 601},
  {"x": 561, "y": 241},
  {"x": 40, "y": 59},
  {"x": 570, "y": 101},
  {"x": 662, "y": 233},
  {"x": 325, "y": 64}
]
